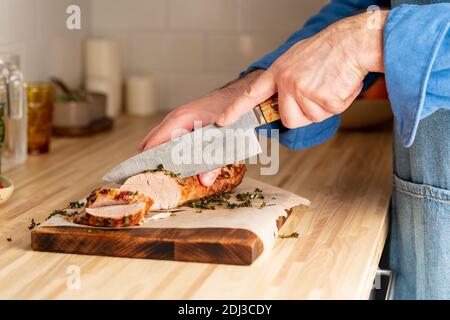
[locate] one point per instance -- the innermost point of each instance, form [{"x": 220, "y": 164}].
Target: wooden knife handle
[{"x": 269, "y": 109}]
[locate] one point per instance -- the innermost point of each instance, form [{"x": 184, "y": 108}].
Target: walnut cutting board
[{"x": 222, "y": 236}]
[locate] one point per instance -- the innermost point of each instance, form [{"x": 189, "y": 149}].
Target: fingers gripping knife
[{"x": 209, "y": 142}]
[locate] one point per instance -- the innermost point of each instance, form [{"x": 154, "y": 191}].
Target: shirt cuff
[
  {"x": 305, "y": 137},
  {"x": 413, "y": 36}
]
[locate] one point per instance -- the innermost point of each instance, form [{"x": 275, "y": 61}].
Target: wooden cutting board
[{"x": 223, "y": 245}]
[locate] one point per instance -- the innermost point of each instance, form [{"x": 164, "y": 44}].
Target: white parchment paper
[{"x": 261, "y": 221}]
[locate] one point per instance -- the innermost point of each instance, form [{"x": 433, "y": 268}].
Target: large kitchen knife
[{"x": 204, "y": 149}]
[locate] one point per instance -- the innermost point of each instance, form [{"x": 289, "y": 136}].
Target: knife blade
[{"x": 202, "y": 150}]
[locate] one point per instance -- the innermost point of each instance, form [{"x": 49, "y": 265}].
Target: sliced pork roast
[
  {"x": 112, "y": 207},
  {"x": 168, "y": 191},
  {"x": 127, "y": 206}
]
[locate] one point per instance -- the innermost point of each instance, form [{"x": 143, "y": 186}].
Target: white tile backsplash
[
  {"x": 130, "y": 15},
  {"x": 203, "y": 15},
  {"x": 22, "y": 20},
  {"x": 182, "y": 88},
  {"x": 279, "y": 15},
  {"x": 225, "y": 53},
  {"x": 170, "y": 52},
  {"x": 32, "y": 29},
  {"x": 4, "y": 23},
  {"x": 189, "y": 46}
]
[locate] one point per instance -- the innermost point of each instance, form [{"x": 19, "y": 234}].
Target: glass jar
[
  {"x": 13, "y": 123},
  {"x": 40, "y": 108}
]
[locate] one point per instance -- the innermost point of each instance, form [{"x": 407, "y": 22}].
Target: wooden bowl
[{"x": 7, "y": 191}]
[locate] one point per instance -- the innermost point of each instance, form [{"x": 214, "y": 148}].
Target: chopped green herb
[
  {"x": 209, "y": 202},
  {"x": 202, "y": 204},
  {"x": 170, "y": 173},
  {"x": 219, "y": 199},
  {"x": 244, "y": 204},
  {"x": 198, "y": 211},
  {"x": 172, "y": 215},
  {"x": 160, "y": 167},
  {"x": 223, "y": 199},
  {"x": 263, "y": 205},
  {"x": 33, "y": 224},
  {"x": 247, "y": 196},
  {"x": 132, "y": 194},
  {"x": 76, "y": 205},
  {"x": 98, "y": 223},
  {"x": 289, "y": 236}
]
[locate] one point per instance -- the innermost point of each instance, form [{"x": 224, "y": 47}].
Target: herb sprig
[
  {"x": 244, "y": 201},
  {"x": 59, "y": 212}
]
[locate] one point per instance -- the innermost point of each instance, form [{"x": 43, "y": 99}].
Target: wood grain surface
[
  {"x": 269, "y": 109},
  {"x": 347, "y": 179}
]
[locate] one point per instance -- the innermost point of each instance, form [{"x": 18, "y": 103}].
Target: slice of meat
[
  {"x": 114, "y": 216},
  {"x": 103, "y": 197},
  {"x": 168, "y": 191},
  {"x": 111, "y": 207}
]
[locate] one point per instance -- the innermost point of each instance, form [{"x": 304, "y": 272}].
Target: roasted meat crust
[
  {"x": 229, "y": 178},
  {"x": 131, "y": 219}
]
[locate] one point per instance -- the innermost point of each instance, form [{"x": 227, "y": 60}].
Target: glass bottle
[
  {"x": 40, "y": 107},
  {"x": 12, "y": 106}
]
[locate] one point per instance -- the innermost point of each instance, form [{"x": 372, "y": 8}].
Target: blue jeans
[{"x": 420, "y": 212}]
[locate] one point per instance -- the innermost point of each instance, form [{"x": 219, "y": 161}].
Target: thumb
[{"x": 259, "y": 91}]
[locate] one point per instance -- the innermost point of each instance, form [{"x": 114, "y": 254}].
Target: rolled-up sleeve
[
  {"x": 417, "y": 64},
  {"x": 315, "y": 133}
]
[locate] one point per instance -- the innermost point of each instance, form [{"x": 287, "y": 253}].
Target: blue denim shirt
[{"x": 417, "y": 65}]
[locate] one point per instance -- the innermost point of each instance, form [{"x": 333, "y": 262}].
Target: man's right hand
[{"x": 206, "y": 109}]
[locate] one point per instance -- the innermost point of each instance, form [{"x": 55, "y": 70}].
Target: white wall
[
  {"x": 36, "y": 30},
  {"x": 190, "y": 46},
  {"x": 194, "y": 46}
]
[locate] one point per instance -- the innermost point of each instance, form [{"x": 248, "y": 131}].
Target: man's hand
[
  {"x": 206, "y": 109},
  {"x": 317, "y": 77}
]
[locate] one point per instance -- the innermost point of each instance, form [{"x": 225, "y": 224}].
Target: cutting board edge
[{"x": 211, "y": 245}]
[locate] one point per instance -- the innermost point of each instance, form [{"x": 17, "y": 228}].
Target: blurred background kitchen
[{"x": 139, "y": 57}]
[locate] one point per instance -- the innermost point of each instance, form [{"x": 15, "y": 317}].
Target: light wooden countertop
[{"x": 347, "y": 179}]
